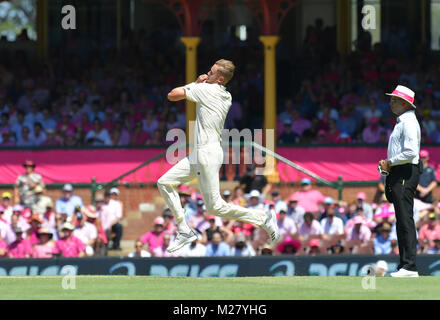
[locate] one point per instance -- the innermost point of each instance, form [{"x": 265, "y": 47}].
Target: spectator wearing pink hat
[
  {"x": 295, "y": 211},
  {"x": 154, "y": 238},
  {"x": 359, "y": 212},
  {"x": 188, "y": 204},
  {"x": 289, "y": 246},
  {"x": 359, "y": 231},
  {"x": 20, "y": 248},
  {"x": 361, "y": 202},
  {"x": 427, "y": 181},
  {"x": 314, "y": 247},
  {"x": 69, "y": 245},
  {"x": 309, "y": 198}
]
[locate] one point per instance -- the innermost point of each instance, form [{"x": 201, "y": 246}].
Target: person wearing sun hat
[
  {"x": 42, "y": 201},
  {"x": 85, "y": 230},
  {"x": 25, "y": 184},
  {"x": 69, "y": 245},
  {"x": 427, "y": 181},
  {"x": 7, "y": 205},
  {"x": 44, "y": 248},
  {"x": 402, "y": 169}
]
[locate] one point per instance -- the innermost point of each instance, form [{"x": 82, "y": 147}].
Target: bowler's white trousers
[{"x": 204, "y": 163}]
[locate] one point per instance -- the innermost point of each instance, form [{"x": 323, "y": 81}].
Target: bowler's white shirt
[
  {"x": 213, "y": 102},
  {"x": 404, "y": 143}
]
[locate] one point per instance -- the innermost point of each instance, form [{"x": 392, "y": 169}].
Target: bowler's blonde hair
[{"x": 226, "y": 68}]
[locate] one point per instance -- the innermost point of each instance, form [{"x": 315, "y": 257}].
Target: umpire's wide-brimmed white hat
[{"x": 404, "y": 93}]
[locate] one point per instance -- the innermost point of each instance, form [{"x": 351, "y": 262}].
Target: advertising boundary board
[{"x": 344, "y": 265}]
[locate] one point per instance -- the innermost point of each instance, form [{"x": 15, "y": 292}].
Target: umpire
[{"x": 404, "y": 168}]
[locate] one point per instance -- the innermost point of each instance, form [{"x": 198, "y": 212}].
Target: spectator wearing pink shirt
[
  {"x": 429, "y": 231},
  {"x": 20, "y": 248},
  {"x": 299, "y": 125},
  {"x": 69, "y": 245},
  {"x": 371, "y": 133},
  {"x": 161, "y": 251},
  {"x": 3, "y": 248},
  {"x": 286, "y": 224},
  {"x": 370, "y": 224},
  {"x": 44, "y": 248},
  {"x": 32, "y": 232},
  {"x": 198, "y": 220},
  {"x": 155, "y": 238},
  {"x": 308, "y": 198},
  {"x": 360, "y": 231},
  {"x": 310, "y": 227}
]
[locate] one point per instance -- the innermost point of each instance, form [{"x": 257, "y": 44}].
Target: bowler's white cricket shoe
[
  {"x": 402, "y": 273},
  {"x": 271, "y": 227},
  {"x": 181, "y": 240}
]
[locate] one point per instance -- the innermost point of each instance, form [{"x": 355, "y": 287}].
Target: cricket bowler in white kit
[{"x": 212, "y": 105}]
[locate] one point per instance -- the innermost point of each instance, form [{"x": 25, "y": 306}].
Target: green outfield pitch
[{"x": 252, "y": 288}]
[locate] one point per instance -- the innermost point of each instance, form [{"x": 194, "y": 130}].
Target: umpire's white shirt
[
  {"x": 212, "y": 106},
  {"x": 404, "y": 143}
]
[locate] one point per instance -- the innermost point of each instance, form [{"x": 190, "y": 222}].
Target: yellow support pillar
[
  {"x": 191, "y": 44},
  {"x": 343, "y": 26},
  {"x": 42, "y": 28},
  {"x": 270, "y": 106}
]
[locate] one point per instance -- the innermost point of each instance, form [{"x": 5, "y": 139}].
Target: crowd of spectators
[
  {"x": 119, "y": 99},
  {"x": 310, "y": 223},
  {"x": 32, "y": 224}
]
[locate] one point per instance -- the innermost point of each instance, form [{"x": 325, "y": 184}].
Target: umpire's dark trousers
[{"x": 400, "y": 188}]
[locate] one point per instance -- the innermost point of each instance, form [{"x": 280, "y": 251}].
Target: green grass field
[{"x": 250, "y": 288}]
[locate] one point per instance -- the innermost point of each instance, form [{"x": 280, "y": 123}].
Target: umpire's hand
[{"x": 384, "y": 165}]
